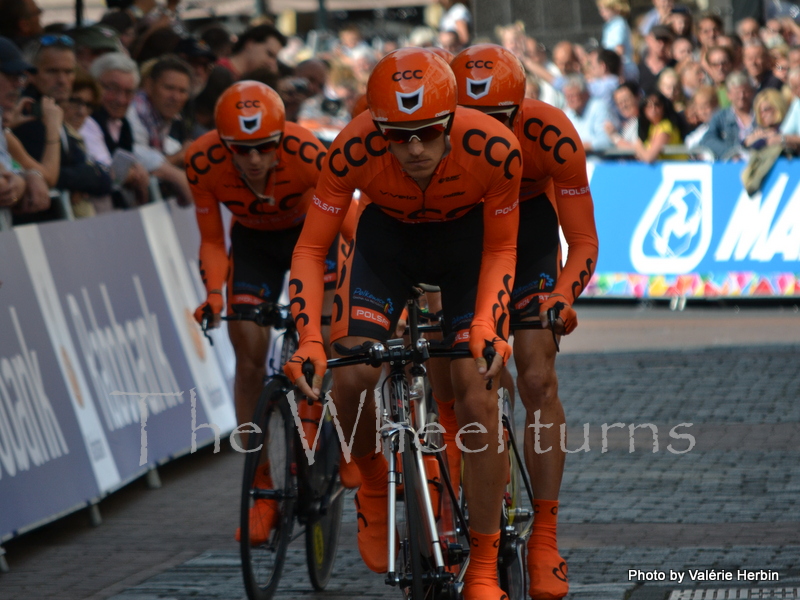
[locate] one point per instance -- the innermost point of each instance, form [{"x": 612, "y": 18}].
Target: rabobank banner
[
  {"x": 103, "y": 373},
  {"x": 690, "y": 229}
]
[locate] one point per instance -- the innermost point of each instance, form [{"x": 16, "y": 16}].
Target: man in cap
[
  {"x": 658, "y": 57},
  {"x": 94, "y": 41}
]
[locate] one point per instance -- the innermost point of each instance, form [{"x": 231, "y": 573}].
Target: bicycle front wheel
[
  {"x": 327, "y": 502},
  {"x": 511, "y": 558},
  {"x": 269, "y": 492},
  {"x": 416, "y": 556}
]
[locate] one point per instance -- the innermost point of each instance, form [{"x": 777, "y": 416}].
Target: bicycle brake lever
[
  {"x": 488, "y": 355},
  {"x": 204, "y": 326},
  {"x": 308, "y": 373},
  {"x": 552, "y": 318}
]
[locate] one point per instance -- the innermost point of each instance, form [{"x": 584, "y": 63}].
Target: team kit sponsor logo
[
  {"x": 386, "y": 305},
  {"x": 372, "y": 316}
]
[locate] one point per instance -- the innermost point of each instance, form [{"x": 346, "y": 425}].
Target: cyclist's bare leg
[
  {"x": 535, "y": 354},
  {"x": 535, "y": 357},
  {"x": 485, "y": 475},
  {"x": 250, "y": 344},
  {"x": 442, "y": 386},
  {"x": 371, "y": 500}
]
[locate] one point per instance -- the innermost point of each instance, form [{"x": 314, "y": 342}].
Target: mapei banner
[{"x": 690, "y": 229}]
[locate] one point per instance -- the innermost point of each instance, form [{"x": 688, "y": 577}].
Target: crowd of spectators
[
  {"x": 104, "y": 113},
  {"x": 673, "y": 84}
]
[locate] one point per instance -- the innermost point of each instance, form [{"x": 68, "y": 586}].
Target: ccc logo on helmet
[
  {"x": 416, "y": 74},
  {"x": 249, "y": 104},
  {"x": 480, "y": 64}
]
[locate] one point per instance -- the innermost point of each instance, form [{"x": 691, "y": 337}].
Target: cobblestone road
[{"x": 730, "y": 503}]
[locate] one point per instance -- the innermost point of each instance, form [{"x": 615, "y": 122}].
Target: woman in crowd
[
  {"x": 769, "y": 108},
  {"x": 669, "y": 84},
  {"x": 699, "y": 112},
  {"x": 658, "y": 129}
]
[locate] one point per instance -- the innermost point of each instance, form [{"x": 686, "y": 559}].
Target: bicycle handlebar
[{"x": 376, "y": 353}]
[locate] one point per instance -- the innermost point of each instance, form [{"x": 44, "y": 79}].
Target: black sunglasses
[{"x": 262, "y": 148}]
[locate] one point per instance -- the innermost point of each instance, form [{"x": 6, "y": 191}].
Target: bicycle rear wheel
[
  {"x": 324, "y": 518},
  {"x": 262, "y": 560}
]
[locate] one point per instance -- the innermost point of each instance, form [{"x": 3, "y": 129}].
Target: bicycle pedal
[{"x": 456, "y": 553}]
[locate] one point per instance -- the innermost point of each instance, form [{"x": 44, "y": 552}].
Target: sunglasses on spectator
[
  {"x": 262, "y": 148},
  {"x": 425, "y": 133},
  {"x": 56, "y": 40}
]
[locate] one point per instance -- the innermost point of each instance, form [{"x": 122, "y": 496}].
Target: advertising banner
[
  {"x": 44, "y": 466},
  {"x": 185, "y": 225},
  {"x": 182, "y": 300},
  {"x": 125, "y": 337},
  {"x": 690, "y": 229}
]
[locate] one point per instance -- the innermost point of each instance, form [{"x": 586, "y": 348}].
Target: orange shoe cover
[
  {"x": 349, "y": 474},
  {"x": 264, "y": 514},
  {"x": 372, "y": 511},
  {"x": 447, "y": 419},
  {"x": 373, "y": 529},
  {"x": 480, "y": 580},
  {"x": 546, "y": 568}
]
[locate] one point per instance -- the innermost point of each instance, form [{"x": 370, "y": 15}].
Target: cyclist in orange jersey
[
  {"x": 555, "y": 191},
  {"x": 443, "y": 188},
  {"x": 264, "y": 171}
]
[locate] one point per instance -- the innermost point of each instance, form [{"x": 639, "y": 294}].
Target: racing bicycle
[{"x": 304, "y": 486}]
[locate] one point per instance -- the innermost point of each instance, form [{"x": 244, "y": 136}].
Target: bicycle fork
[{"x": 429, "y": 517}]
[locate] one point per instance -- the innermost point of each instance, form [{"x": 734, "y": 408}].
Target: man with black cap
[
  {"x": 26, "y": 191},
  {"x": 658, "y": 57}
]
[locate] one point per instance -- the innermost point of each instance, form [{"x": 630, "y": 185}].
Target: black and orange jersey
[
  {"x": 482, "y": 164},
  {"x": 554, "y": 163},
  {"x": 215, "y": 180}
]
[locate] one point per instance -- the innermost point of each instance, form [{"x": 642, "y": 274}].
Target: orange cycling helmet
[
  {"x": 411, "y": 84},
  {"x": 488, "y": 75},
  {"x": 359, "y": 106},
  {"x": 445, "y": 55},
  {"x": 249, "y": 111}
]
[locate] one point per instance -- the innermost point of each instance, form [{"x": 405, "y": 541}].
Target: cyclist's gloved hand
[
  {"x": 314, "y": 352},
  {"x": 480, "y": 336},
  {"x": 566, "y": 314},
  {"x": 211, "y": 309}
]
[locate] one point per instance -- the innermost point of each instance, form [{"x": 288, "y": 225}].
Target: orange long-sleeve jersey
[
  {"x": 554, "y": 162},
  {"x": 483, "y": 164},
  {"x": 215, "y": 180}
]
